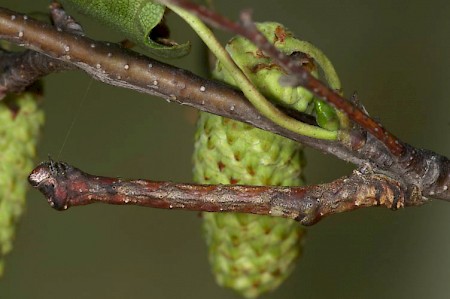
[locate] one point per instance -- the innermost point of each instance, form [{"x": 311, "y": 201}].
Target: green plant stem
[{"x": 249, "y": 90}]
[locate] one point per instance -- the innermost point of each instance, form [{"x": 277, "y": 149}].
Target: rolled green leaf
[
  {"x": 260, "y": 69},
  {"x": 135, "y": 19}
]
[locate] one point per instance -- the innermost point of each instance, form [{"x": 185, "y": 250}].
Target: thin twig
[
  {"x": 66, "y": 186},
  {"x": 111, "y": 64},
  {"x": 258, "y": 100},
  {"x": 20, "y": 70},
  {"x": 298, "y": 74},
  {"x": 121, "y": 67},
  {"x": 418, "y": 168}
]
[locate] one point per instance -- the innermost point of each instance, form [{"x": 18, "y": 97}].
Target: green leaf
[{"x": 135, "y": 19}]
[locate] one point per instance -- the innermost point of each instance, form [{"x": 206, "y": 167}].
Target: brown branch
[
  {"x": 117, "y": 66},
  {"x": 111, "y": 64},
  {"x": 418, "y": 168},
  {"x": 20, "y": 70},
  {"x": 65, "y": 186},
  {"x": 299, "y": 76}
]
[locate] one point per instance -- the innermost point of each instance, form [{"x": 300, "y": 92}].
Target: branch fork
[{"x": 401, "y": 175}]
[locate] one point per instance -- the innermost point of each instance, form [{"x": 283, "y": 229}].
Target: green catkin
[
  {"x": 248, "y": 253},
  {"x": 20, "y": 123}
]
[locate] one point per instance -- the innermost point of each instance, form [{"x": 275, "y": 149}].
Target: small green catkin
[
  {"x": 20, "y": 123},
  {"x": 251, "y": 254}
]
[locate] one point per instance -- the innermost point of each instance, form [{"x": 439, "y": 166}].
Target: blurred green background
[{"x": 394, "y": 53}]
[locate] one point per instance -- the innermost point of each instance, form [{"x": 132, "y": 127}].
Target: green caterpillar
[
  {"x": 21, "y": 120},
  {"x": 254, "y": 254}
]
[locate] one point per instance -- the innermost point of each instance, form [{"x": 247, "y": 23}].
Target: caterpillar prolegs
[{"x": 254, "y": 254}]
